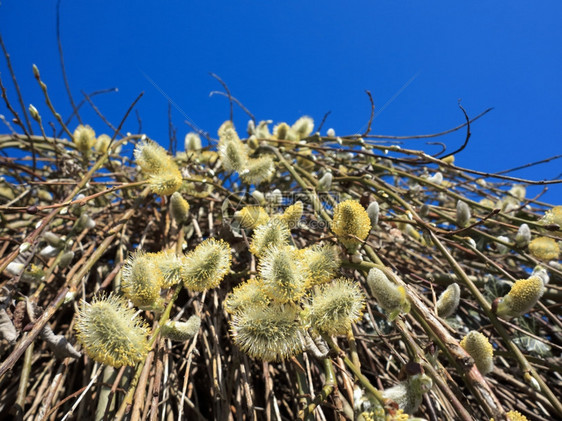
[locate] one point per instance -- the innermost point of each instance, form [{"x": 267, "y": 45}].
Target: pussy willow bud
[
  {"x": 336, "y": 306},
  {"x": 258, "y": 196},
  {"x": 111, "y": 333},
  {"x": 270, "y": 333},
  {"x": 247, "y": 294},
  {"x": 102, "y": 143},
  {"x": 192, "y": 142},
  {"x": 409, "y": 394},
  {"x": 351, "y": 224},
  {"x": 85, "y": 222},
  {"x": 262, "y": 130},
  {"x": 141, "y": 280},
  {"x": 436, "y": 178},
  {"x": 553, "y": 216},
  {"x": 321, "y": 263},
  {"x": 522, "y": 297},
  {"x": 84, "y": 138},
  {"x": 207, "y": 265},
  {"x": 303, "y": 126},
  {"x": 284, "y": 278},
  {"x": 252, "y": 217},
  {"x": 53, "y": 239},
  {"x": 232, "y": 151},
  {"x": 257, "y": 170},
  {"x": 15, "y": 268},
  {"x": 169, "y": 266},
  {"x": 152, "y": 158},
  {"x": 165, "y": 182},
  {"x": 251, "y": 127},
  {"x": 523, "y": 237},
  {"x": 502, "y": 248},
  {"x": 331, "y": 132},
  {"x": 274, "y": 233},
  {"x": 481, "y": 350},
  {"x": 530, "y": 380},
  {"x": 281, "y": 130},
  {"x": 544, "y": 248},
  {"x": 518, "y": 191},
  {"x": 275, "y": 197},
  {"x": 66, "y": 259},
  {"x": 449, "y": 301},
  {"x": 389, "y": 296},
  {"x": 373, "y": 212},
  {"x": 49, "y": 251},
  {"x": 253, "y": 142},
  {"x": 292, "y": 215},
  {"x": 34, "y": 113},
  {"x": 179, "y": 208},
  {"x": 181, "y": 331},
  {"x": 325, "y": 183},
  {"x": 463, "y": 214}
]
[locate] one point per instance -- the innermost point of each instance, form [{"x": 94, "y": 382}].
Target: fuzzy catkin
[
  {"x": 522, "y": 297},
  {"x": 449, "y": 301},
  {"x": 480, "y": 349}
]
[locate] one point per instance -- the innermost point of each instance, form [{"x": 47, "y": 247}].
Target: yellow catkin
[
  {"x": 351, "y": 224},
  {"x": 480, "y": 349},
  {"x": 553, "y": 216},
  {"x": 84, "y": 138},
  {"x": 252, "y": 217},
  {"x": 522, "y": 297},
  {"x": 544, "y": 248},
  {"x": 293, "y": 214},
  {"x": 206, "y": 266},
  {"x": 111, "y": 333}
]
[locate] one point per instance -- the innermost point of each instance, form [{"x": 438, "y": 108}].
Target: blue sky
[{"x": 283, "y": 59}]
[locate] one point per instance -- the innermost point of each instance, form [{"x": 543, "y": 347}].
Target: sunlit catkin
[
  {"x": 303, "y": 127},
  {"x": 544, "y": 248},
  {"x": 84, "y": 138},
  {"x": 292, "y": 215},
  {"x": 192, "y": 142},
  {"x": 206, "y": 266},
  {"x": 284, "y": 277},
  {"x": 141, "y": 280},
  {"x": 252, "y": 217},
  {"x": 463, "y": 214},
  {"x": 151, "y": 157},
  {"x": 270, "y": 333},
  {"x": 351, "y": 224},
  {"x": 449, "y": 301},
  {"x": 181, "y": 331},
  {"x": 336, "y": 306},
  {"x": 553, "y": 216},
  {"x": 179, "y": 208},
  {"x": 321, "y": 262},
  {"x": 522, "y": 297},
  {"x": 481, "y": 350},
  {"x": 389, "y": 296},
  {"x": 247, "y": 294},
  {"x": 165, "y": 182},
  {"x": 232, "y": 151},
  {"x": 275, "y": 233},
  {"x": 111, "y": 333},
  {"x": 102, "y": 143},
  {"x": 169, "y": 266},
  {"x": 257, "y": 170}
]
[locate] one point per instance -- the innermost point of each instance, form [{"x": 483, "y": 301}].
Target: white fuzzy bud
[
  {"x": 436, "y": 178},
  {"x": 463, "y": 214},
  {"x": 523, "y": 237},
  {"x": 325, "y": 182},
  {"x": 373, "y": 211},
  {"x": 331, "y": 133}
]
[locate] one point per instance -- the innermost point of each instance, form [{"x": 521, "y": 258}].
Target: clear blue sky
[{"x": 283, "y": 59}]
